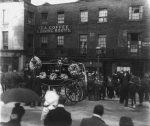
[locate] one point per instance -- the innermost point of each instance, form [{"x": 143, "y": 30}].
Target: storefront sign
[
  {"x": 53, "y": 29},
  {"x": 145, "y": 43},
  {"x": 9, "y": 54}
]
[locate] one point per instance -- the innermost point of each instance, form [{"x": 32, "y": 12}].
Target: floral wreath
[
  {"x": 35, "y": 63},
  {"x": 53, "y": 76},
  {"x": 74, "y": 69},
  {"x": 64, "y": 76}
]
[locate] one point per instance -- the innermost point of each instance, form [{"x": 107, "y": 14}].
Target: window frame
[
  {"x": 44, "y": 21},
  {"x": 131, "y": 17},
  {"x": 134, "y": 46},
  {"x": 32, "y": 20},
  {"x": 60, "y": 40},
  {"x": 105, "y": 16},
  {"x": 5, "y": 39},
  {"x": 5, "y": 16},
  {"x": 82, "y": 16},
  {"x": 104, "y": 42},
  {"x": 60, "y": 20},
  {"x": 83, "y": 50},
  {"x": 44, "y": 41}
]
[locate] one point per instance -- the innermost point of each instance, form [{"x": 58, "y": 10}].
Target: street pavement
[{"x": 113, "y": 112}]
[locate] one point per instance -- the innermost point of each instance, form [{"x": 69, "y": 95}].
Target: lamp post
[{"x": 98, "y": 51}]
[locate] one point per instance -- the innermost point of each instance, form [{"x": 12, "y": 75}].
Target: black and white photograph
[{"x": 74, "y": 62}]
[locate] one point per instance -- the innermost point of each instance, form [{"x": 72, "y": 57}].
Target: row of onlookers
[{"x": 54, "y": 114}]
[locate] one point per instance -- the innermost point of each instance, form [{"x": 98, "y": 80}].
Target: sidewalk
[{"x": 112, "y": 114}]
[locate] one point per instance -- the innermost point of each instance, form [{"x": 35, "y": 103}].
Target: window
[
  {"x": 134, "y": 43},
  {"x": 5, "y": 39},
  {"x": 60, "y": 41},
  {"x": 44, "y": 40},
  {"x": 83, "y": 44},
  {"x": 5, "y": 17},
  {"x": 44, "y": 18},
  {"x": 120, "y": 68},
  {"x": 61, "y": 17},
  {"x": 30, "y": 17},
  {"x": 30, "y": 40},
  {"x": 135, "y": 13},
  {"x": 103, "y": 15},
  {"x": 102, "y": 41},
  {"x": 84, "y": 16}
]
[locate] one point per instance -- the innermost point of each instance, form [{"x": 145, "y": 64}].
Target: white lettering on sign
[
  {"x": 53, "y": 29},
  {"x": 145, "y": 43},
  {"x": 9, "y": 54}
]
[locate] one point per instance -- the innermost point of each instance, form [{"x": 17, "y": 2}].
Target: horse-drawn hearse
[{"x": 66, "y": 77}]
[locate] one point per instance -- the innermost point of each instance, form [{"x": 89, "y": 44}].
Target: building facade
[
  {"x": 13, "y": 27},
  {"x": 121, "y": 28}
]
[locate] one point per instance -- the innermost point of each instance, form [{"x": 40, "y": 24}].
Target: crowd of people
[
  {"x": 122, "y": 85},
  {"x": 55, "y": 114}
]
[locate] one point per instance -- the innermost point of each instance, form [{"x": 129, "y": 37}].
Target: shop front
[{"x": 11, "y": 60}]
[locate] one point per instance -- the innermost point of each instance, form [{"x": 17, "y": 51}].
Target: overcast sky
[{"x": 39, "y": 2}]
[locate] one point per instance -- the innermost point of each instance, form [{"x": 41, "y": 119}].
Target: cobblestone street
[{"x": 113, "y": 112}]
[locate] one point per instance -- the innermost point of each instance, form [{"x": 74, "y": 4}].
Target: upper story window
[
  {"x": 61, "y": 17},
  {"x": 5, "y": 39},
  {"x": 30, "y": 40},
  {"x": 102, "y": 15},
  {"x": 135, "y": 12},
  {"x": 44, "y": 40},
  {"x": 83, "y": 44},
  {"x": 134, "y": 43},
  {"x": 84, "y": 16},
  {"x": 30, "y": 18},
  {"x": 102, "y": 41},
  {"x": 5, "y": 17},
  {"x": 44, "y": 18},
  {"x": 60, "y": 41}
]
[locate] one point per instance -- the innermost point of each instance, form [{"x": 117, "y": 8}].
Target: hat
[{"x": 51, "y": 96}]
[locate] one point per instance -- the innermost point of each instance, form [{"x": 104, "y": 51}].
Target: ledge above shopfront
[{"x": 11, "y": 53}]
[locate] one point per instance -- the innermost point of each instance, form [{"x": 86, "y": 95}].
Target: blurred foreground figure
[
  {"x": 96, "y": 119},
  {"x": 125, "y": 121},
  {"x": 51, "y": 102},
  {"x": 16, "y": 116},
  {"x": 58, "y": 116}
]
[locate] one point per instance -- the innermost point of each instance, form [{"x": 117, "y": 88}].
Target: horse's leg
[
  {"x": 131, "y": 96},
  {"x": 135, "y": 98}
]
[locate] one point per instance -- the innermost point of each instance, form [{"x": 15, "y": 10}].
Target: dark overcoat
[
  {"x": 93, "y": 121},
  {"x": 58, "y": 117}
]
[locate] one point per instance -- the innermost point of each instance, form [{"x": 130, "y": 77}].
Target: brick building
[{"x": 74, "y": 30}]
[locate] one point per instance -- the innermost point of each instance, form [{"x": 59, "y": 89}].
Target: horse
[
  {"x": 144, "y": 88},
  {"x": 134, "y": 85},
  {"x": 11, "y": 80},
  {"x": 139, "y": 86}
]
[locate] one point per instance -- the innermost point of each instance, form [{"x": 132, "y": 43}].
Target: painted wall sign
[
  {"x": 53, "y": 29},
  {"x": 145, "y": 43},
  {"x": 9, "y": 54}
]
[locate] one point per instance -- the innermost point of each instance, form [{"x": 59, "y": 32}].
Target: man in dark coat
[
  {"x": 58, "y": 116},
  {"x": 121, "y": 87},
  {"x": 96, "y": 119}
]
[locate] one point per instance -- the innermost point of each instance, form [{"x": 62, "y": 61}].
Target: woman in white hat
[{"x": 51, "y": 101}]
